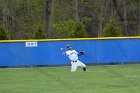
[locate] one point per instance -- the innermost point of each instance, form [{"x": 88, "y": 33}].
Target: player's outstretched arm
[{"x": 64, "y": 54}]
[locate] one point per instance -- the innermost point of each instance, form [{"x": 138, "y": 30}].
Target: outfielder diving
[{"x": 73, "y": 56}]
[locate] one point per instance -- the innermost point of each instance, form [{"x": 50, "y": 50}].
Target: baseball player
[{"x": 73, "y": 56}]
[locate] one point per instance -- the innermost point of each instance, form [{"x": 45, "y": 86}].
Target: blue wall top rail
[{"x": 100, "y": 38}]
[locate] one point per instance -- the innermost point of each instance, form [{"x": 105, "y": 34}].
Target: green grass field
[{"x": 97, "y": 79}]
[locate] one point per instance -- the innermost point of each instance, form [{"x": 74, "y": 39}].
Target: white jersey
[{"x": 72, "y": 54}]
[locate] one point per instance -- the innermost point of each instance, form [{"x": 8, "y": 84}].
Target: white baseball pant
[{"x": 75, "y": 64}]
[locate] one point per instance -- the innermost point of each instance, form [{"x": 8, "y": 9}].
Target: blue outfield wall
[{"x": 47, "y": 52}]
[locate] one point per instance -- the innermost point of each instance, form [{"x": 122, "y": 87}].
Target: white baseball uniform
[{"x": 73, "y": 56}]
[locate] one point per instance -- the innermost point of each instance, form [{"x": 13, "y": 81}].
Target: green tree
[
  {"x": 69, "y": 29},
  {"x": 112, "y": 29},
  {"x": 39, "y": 33},
  {"x": 80, "y": 31},
  {"x": 3, "y": 35}
]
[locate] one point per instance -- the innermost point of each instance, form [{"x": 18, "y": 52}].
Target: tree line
[{"x": 39, "y": 19}]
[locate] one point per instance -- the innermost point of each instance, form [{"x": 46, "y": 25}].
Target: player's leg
[
  {"x": 73, "y": 67},
  {"x": 79, "y": 63}
]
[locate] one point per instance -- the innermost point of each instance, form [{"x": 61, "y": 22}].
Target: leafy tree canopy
[{"x": 112, "y": 29}]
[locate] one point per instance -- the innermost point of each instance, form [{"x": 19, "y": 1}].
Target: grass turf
[{"x": 97, "y": 79}]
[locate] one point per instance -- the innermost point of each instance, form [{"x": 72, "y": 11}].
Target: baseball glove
[{"x": 82, "y": 53}]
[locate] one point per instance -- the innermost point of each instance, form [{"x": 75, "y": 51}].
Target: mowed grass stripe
[{"x": 97, "y": 79}]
